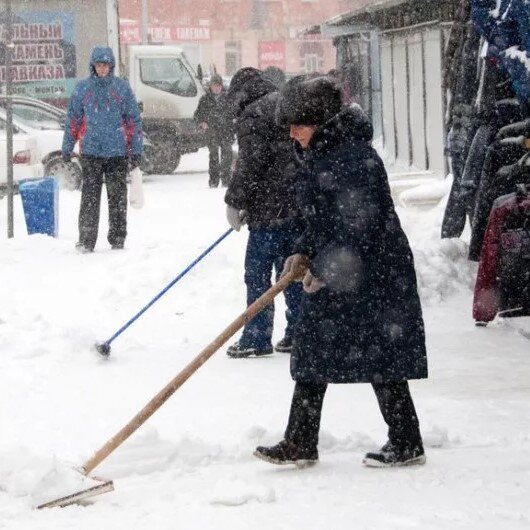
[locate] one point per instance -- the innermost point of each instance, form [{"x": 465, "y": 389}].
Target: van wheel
[
  {"x": 164, "y": 157},
  {"x": 69, "y": 174}
]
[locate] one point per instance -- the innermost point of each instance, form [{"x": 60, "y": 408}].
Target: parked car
[
  {"x": 47, "y": 123},
  {"x": 26, "y": 159}
]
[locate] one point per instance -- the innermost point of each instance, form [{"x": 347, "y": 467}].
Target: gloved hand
[
  {"x": 134, "y": 161},
  {"x": 236, "y": 218},
  {"x": 312, "y": 284},
  {"x": 67, "y": 157},
  {"x": 298, "y": 264}
]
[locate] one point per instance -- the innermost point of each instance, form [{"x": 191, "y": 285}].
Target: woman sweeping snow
[{"x": 360, "y": 319}]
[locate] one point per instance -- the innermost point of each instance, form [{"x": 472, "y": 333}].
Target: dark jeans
[
  {"x": 220, "y": 162},
  {"x": 395, "y": 403},
  {"x": 114, "y": 172},
  {"x": 267, "y": 249}
]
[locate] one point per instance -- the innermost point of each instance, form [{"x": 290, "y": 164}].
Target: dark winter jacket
[
  {"x": 460, "y": 138},
  {"x": 503, "y": 279},
  {"x": 103, "y": 114},
  {"x": 464, "y": 123},
  {"x": 453, "y": 50},
  {"x": 366, "y": 324},
  {"x": 215, "y": 111},
  {"x": 497, "y": 26},
  {"x": 506, "y": 111},
  {"x": 266, "y": 168},
  {"x": 502, "y": 171}
]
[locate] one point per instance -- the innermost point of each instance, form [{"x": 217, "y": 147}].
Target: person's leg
[
  {"x": 258, "y": 271},
  {"x": 90, "y": 202},
  {"x": 116, "y": 183},
  {"x": 404, "y": 446},
  {"x": 226, "y": 162},
  {"x": 299, "y": 445},
  {"x": 213, "y": 148},
  {"x": 304, "y": 418}
]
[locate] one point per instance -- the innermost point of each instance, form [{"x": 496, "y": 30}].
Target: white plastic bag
[{"x": 136, "y": 189}]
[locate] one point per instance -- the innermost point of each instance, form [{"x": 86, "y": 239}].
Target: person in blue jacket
[{"x": 103, "y": 116}]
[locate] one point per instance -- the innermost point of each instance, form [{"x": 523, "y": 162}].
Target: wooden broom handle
[{"x": 186, "y": 373}]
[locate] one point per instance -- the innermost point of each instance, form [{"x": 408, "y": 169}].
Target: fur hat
[
  {"x": 216, "y": 80},
  {"x": 311, "y": 101}
]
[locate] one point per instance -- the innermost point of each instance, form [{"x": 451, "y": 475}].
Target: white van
[{"x": 168, "y": 90}]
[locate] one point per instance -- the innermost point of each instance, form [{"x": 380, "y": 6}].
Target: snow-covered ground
[{"x": 191, "y": 466}]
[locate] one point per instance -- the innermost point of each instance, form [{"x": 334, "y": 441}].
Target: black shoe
[
  {"x": 287, "y": 452},
  {"x": 82, "y": 249},
  {"x": 213, "y": 184},
  {"x": 237, "y": 351},
  {"x": 391, "y": 456},
  {"x": 285, "y": 345},
  {"x": 117, "y": 246}
]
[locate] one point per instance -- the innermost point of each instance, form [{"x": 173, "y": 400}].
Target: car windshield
[
  {"x": 37, "y": 118},
  {"x": 168, "y": 74}
]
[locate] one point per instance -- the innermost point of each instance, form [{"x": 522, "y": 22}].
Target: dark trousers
[
  {"x": 220, "y": 162},
  {"x": 267, "y": 249},
  {"x": 112, "y": 171},
  {"x": 395, "y": 403}
]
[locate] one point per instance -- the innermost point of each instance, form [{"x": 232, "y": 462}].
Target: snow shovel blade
[{"x": 104, "y": 487}]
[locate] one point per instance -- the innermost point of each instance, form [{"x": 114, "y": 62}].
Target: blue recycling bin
[{"x": 40, "y": 201}]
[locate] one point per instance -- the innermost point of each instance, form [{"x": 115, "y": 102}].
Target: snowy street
[{"x": 191, "y": 465}]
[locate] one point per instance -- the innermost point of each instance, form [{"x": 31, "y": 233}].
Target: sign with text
[
  {"x": 130, "y": 33},
  {"x": 44, "y": 55},
  {"x": 271, "y": 53}
]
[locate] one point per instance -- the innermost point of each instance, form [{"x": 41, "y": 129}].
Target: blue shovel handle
[{"x": 105, "y": 346}]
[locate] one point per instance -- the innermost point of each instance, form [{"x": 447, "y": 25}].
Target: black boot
[
  {"x": 287, "y": 452},
  {"x": 236, "y": 351},
  {"x": 285, "y": 345},
  {"x": 392, "y": 456}
]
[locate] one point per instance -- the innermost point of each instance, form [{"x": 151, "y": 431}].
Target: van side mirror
[{"x": 200, "y": 74}]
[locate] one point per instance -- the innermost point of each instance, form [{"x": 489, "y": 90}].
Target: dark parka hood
[
  {"x": 102, "y": 54},
  {"x": 247, "y": 85},
  {"x": 350, "y": 124}
]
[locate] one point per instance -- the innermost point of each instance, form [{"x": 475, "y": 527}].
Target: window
[
  {"x": 37, "y": 118},
  {"x": 169, "y": 75}
]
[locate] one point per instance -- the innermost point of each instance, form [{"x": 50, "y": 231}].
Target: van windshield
[{"x": 168, "y": 74}]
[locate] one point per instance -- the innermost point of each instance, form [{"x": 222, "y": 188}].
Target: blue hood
[{"x": 102, "y": 54}]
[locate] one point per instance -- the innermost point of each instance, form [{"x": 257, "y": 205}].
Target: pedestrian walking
[
  {"x": 215, "y": 119},
  {"x": 103, "y": 116},
  {"x": 360, "y": 320},
  {"x": 262, "y": 194}
]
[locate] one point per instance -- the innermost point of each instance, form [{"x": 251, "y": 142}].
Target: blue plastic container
[{"x": 40, "y": 201}]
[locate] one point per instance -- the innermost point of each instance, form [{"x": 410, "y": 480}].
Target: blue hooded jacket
[{"x": 103, "y": 115}]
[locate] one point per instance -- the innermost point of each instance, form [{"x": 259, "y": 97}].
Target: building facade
[
  {"x": 396, "y": 47},
  {"x": 224, "y": 35}
]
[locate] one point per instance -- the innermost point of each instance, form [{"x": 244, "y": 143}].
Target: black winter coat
[
  {"x": 366, "y": 325},
  {"x": 264, "y": 178},
  {"x": 216, "y": 112}
]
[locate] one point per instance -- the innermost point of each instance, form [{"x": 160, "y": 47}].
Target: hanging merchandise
[{"x": 503, "y": 280}]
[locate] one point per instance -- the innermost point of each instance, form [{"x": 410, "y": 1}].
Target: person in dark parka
[
  {"x": 262, "y": 194},
  {"x": 103, "y": 116},
  {"x": 214, "y": 117},
  {"x": 360, "y": 319}
]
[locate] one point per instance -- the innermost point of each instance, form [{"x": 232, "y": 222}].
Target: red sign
[
  {"x": 272, "y": 53},
  {"x": 130, "y": 33}
]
